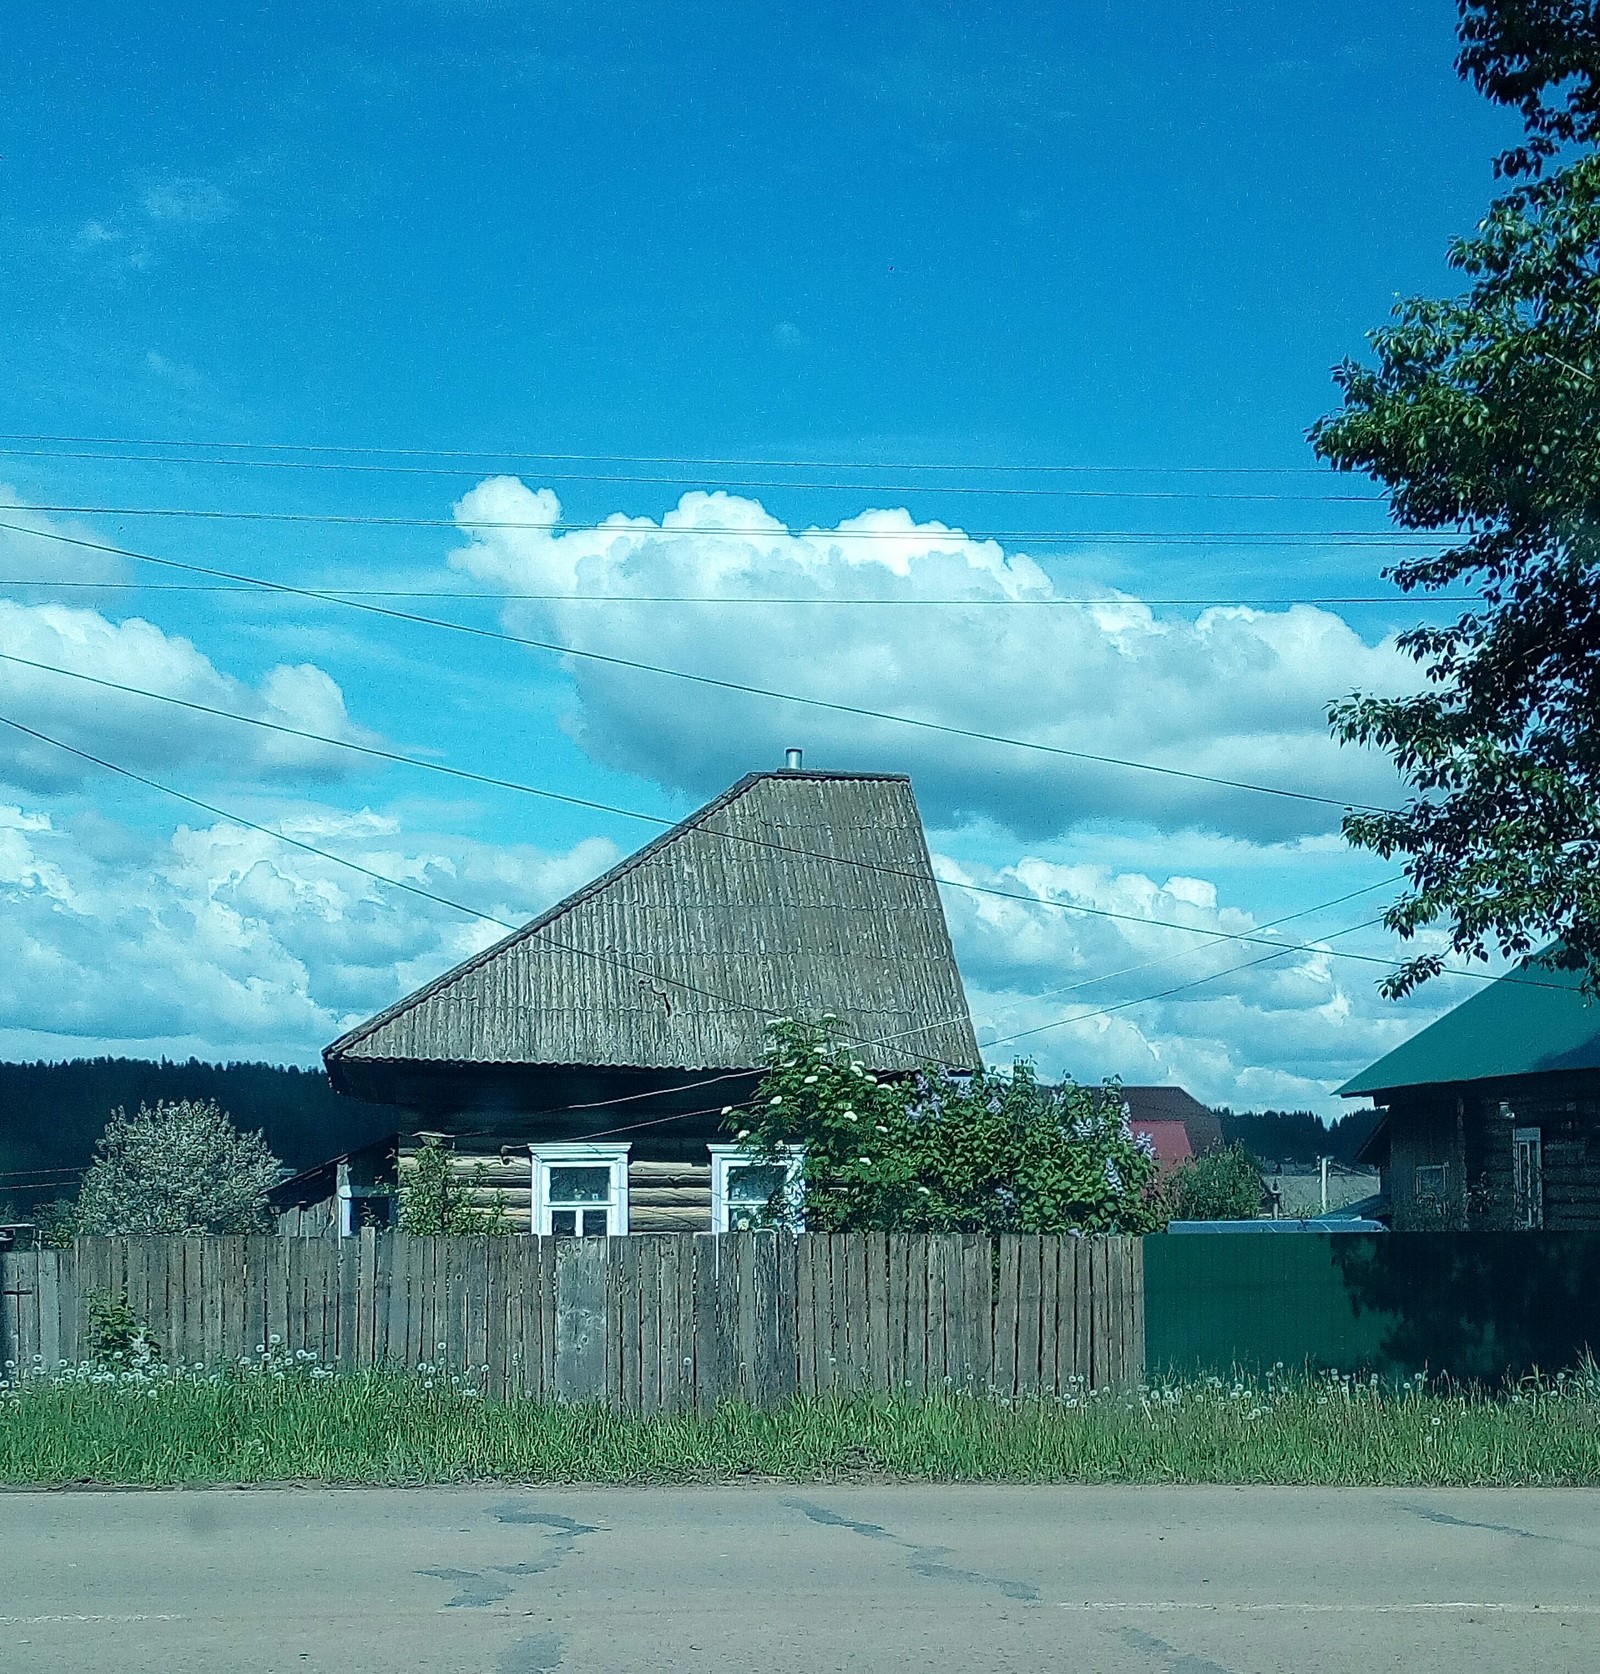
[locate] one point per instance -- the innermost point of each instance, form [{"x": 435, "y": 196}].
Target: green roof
[{"x": 1532, "y": 1021}]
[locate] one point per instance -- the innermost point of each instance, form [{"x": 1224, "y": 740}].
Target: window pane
[
  {"x": 755, "y": 1182},
  {"x": 564, "y": 1223},
  {"x": 594, "y": 1223},
  {"x": 580, "y": 1185}
]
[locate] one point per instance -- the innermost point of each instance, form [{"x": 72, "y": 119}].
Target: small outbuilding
[
  {"x": 579, "y": 1068},
  {"x": 1491, "y": 1115}
]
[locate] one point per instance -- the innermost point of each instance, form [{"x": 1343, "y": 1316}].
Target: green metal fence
[{"x": 1478, "y": 1306}]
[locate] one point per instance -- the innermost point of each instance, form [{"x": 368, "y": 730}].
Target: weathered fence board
[{"x": 658, "y": 1323}]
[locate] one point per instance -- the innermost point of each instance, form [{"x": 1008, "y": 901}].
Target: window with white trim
[
  {"x": 580, "y": 1191},
  {"x": 748, "y": 1192}
]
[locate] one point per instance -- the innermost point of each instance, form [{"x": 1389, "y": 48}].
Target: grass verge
[{"x": 157, "y": 1427}]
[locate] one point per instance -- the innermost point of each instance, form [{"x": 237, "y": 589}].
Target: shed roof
[
  {"x": 1533, "y": 1021},
  {"x": 792, "y": 894}
]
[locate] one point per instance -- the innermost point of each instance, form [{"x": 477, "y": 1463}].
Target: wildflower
[
  {"x": 810, "y": 1081},
  {"x": 727, "y": 1110},
  {"x": 864, "y": 1159},
  {"x": 882, "y": 1128},
  {"x": 924, "y": 1190},
  {"x": 744, "y": 1133},
  {"x": 776, "y": 1099}
]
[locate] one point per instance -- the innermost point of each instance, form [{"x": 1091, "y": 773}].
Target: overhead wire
[
  {"x": 104, "y": 763},
  {"x": 743, "y": 688},
  {"x": 633, "y": 478},
  {"x": 463, "y": 596},
  {"x": 738, "y": 462},
  {"x": 644, "y": 528},
  {"x": 639, "y": 972},
  {"x": 1181, "y": 987},
  {"x": 1032, "y": 900}
]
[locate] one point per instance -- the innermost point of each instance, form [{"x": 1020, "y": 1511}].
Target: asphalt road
[{"x": 771, "y": 1579}]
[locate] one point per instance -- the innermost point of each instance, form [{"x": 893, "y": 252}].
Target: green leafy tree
[
  {"x": 1480, "y": 418},
  {"x": 435, "y": 1198},
  {"x": 990, "y": 1153},
  {"x": 1224, "y": 1185},
  {"x": 180, "y": 1167}
]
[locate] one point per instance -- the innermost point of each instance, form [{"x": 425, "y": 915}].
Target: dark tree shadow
[{"x": 1476, "y": 1306}]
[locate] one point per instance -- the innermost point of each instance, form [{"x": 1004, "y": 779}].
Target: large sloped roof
[
  {"x": 1532, "y": 1021},
  {"x": 792, "y": 894}
]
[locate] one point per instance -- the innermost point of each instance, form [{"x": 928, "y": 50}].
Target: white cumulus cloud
[
  {"x": 1234, "y": 693},
  {"x": 36, "y": 640},
  {"x": 223, "y": 941}
]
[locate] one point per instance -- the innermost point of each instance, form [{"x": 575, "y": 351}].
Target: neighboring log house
[
  {"x": 579, "y": 1068},
  {"x": 1491, "y": 1115}
]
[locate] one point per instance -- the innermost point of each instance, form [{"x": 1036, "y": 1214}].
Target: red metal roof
[{"x": 1168, "y": 1135}]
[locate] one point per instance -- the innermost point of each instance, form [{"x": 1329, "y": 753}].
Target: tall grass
[{"x": 289, "y": 1419}]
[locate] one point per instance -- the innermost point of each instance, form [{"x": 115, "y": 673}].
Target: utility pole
[{"x": 1324, "y": 1162}]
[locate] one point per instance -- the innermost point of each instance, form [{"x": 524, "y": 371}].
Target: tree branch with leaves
[{"x": 1480, "y": 417}]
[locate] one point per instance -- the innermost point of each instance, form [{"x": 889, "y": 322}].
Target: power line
[
  {"x": 493, "y": 782},
  {"x": 458, "y": 471},
  {"x": 644, "y": 529},
  {"x": 335, "y": 594},
  {"x": 1168, "y": 958},
  {"x": 639, "y": 972},
  {"x": 738, "y": 462},
  {"x": 654, "y": 819},
  {"x": 743, "y": 688},
  {"x": 1276, "y": 951},
  {"x": 1193, "y": 982}
]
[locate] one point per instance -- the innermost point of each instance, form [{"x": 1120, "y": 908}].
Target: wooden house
[
  {"x": 1491, "y": 1115},
  {"x": 579, "y": 1069}
]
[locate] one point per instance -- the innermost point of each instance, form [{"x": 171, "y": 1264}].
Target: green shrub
[
  {"x": 434, "y": 1198},
  {"x": 1221, "y": 1186},
  {"x": 117, "y": 1337},
  {"x": 984, "y": 1153}
]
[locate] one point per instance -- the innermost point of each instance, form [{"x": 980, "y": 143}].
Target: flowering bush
[
  {"x": 942, "y": 1153},
  {"x": 179, "y": 1168}
]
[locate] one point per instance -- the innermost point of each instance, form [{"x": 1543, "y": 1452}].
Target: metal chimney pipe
[{"x": 791, "y": 760}]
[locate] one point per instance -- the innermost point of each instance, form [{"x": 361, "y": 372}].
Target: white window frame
[
  {"x": 578, "y": 1154},
  {"x": 725, "y": 1157},
  {"x": 1527, "y": 1178}
]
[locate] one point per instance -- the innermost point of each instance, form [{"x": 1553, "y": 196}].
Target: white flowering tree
[
  {"x": 939, "y": 1153},
  {"x": 177, "y": 1168}
]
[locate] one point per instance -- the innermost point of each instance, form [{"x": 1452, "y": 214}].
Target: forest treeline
[{"x": 52, "y": 1114}]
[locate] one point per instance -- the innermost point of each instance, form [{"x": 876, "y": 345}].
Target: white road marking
[
  {"x": 1418, "y": 1607},
  {"x": 37, "y": 1621}
]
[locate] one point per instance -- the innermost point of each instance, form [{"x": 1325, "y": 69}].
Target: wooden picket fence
[{"x": 645, "y": 1324}]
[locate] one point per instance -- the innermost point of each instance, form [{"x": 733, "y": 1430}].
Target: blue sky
[{"x": 908, "y": 241}]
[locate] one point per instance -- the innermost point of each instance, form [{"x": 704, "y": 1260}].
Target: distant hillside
[
  {"x": 52, "y": 1114},
  {"x": 1297, "y": 1136}
]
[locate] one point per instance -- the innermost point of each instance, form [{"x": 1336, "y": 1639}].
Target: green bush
[
  {"x": 939, "y": 1153},
  {"x": 1221, "y": 1186},
  {"x": 117, "y": 1337},
  {"x": 435, "y": 1199}
]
